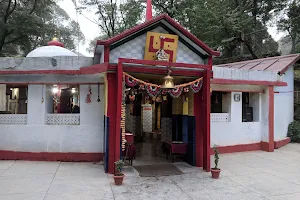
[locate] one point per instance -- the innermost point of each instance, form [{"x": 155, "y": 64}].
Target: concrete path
[{"x": 251, "y": 175}]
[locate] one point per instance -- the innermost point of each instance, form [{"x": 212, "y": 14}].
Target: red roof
[
  {"x": 276, "y": 64},
  {"x": 153, "y": 21}
]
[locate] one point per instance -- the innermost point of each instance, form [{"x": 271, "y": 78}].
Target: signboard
[{"x": 156, "y": 41}]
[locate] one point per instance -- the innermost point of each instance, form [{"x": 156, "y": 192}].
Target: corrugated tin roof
[{"x": 276, "y": 64}]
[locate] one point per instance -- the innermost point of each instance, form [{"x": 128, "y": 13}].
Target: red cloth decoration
[
  {"x": 196, "y": 87},
  {"x": 175, "y": 93},
  {"x": 152, "y": 90},
  {"x": 130, "y": 82},
  {"x": 89, "y": 96}
]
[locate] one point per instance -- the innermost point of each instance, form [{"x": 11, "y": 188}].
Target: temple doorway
[{"x": 159, "y": 120}]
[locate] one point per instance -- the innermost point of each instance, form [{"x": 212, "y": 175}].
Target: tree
[
  {"x": 236, "y": 27},
  {"x": 112, "y": 18},
  {"x": 27, "y": 24},
  {"x": 291, "y": 24}
]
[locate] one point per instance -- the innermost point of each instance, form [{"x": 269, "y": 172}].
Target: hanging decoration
[
  {"x": 175, "y": 93},
  {"x": 98, "y": 99},
  {"x": 196, "y": 86},
  {"x": 130, "y": 82},
  {"x": 152, "y": 90},
  {"x": 89, "y": 96}
]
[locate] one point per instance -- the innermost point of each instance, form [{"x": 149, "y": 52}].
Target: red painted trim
[
  {"x": 291, "y": 64},
  {"x": 238, "y": 148},
  {"x": 210, "y": 61},
  {"x": 51, "y": 156},
  {"x": 271, "y": 119},
  {"x": 247, "y": 82},
  {"x": 51, "y": 83},
  {"x": 265, "y": 146},
  {"x": 67, "y": 72},
  {"x": 98, "y": 68},
  {"x": 281, "y": 143},
  {"x": 155, "y": 20},
  {"x": 106, "y": 54},
  {"x": 111, "y": 113},
  {"x": 164, "y": 63},
  {"x": 206, "y": 144},
  {"x": 94, "y": 69},
  {"x": 228, "y": 90},
  {"x": 149, "y": 70}
]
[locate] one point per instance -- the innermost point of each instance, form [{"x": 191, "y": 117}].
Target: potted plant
[
  {"x": 119, "y": 176},
  {"x": 215, "y": 172}
]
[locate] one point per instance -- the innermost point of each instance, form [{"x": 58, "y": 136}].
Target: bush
[{"x": 294, "y": 131}]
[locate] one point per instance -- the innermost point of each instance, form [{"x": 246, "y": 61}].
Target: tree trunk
[
  {"x": 2, "y": 40},
  {"x": 254, "y": 56}
]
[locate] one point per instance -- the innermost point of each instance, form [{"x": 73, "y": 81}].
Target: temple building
[{"x": 155, "y": 80}]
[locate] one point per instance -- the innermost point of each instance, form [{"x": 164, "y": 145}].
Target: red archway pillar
[
  {"x": 114, "y": 87},
  {"x": 202, "y": 117},
  {"x": 111, "y": 118},
  {"x": 206, "y": 119}
]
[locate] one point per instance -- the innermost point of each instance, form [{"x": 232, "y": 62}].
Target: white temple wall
[
  {"x": 239, "y": 74},
  {"x": 37, "y": 136},
  {"x": 235, "y": 131},
  {"x": 232, "y": 131},
  {"x": 45, "y": 63},
  {"x": 284, "y": 106}
]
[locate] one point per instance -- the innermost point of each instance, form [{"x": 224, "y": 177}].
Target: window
[
  {"x": 220, "y": 102},
  {"x": 63, "y": 99},
  {"x": 15, "y": 101}
]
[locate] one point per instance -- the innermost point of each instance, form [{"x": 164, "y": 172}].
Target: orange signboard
[{"x": 156, "y": 41}]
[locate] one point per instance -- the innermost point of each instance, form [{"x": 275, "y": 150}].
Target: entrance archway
[{"x": 200, "y": 125}]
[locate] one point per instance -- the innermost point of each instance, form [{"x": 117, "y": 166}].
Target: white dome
[{"x": 50, "y": 51}]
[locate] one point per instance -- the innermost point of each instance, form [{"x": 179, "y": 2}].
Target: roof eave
[{"x": 131, "y": 31}]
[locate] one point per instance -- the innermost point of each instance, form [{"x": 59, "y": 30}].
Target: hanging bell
[{"x": 168, "y": 83}]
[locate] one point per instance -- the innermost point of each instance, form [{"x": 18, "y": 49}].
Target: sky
[
  {"x": 88, "y": 28},
  {"x": 91, "y": 30}
]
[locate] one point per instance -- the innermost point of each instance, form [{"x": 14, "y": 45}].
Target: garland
[
  {"x": 130, "y": 82},
  {"x": 175, "y": 93},
  {"x": 154, "y": 89}
]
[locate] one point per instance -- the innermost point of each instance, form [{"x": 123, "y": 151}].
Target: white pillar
[
  {"x": 36, "y": 109},
  {"x": 2, "y": 97}
]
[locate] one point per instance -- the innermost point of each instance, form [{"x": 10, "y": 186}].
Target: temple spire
[{"x": 149, "y": 10}]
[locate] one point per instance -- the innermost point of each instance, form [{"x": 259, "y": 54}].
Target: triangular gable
[{"x": 167, "y": 23}]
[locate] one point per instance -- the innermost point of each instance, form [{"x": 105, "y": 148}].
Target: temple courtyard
[{"x": 250, "y": 175}]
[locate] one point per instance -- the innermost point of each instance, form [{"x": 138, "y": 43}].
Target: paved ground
[{"x": 251, "y": 175}]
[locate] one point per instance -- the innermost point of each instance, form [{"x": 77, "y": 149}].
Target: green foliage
[
  {"x": 119, "y": 166},
  {"x": 294, "y": 131},
  {"x": 216, "y": 156},
  {"x": 237, "y": 28},
  {"x": 114, "y": 18},
  {"x": 111, "y": 17},
  {"x": 297, "y": 112},
  {"x": 291, "y": 24},
  {"x": 25, "y": 25}
]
